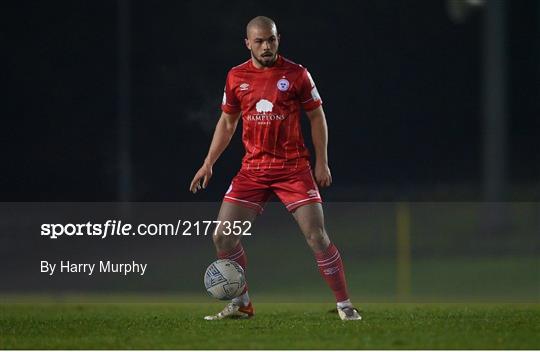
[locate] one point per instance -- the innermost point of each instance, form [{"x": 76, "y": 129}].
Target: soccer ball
[{"x": 224, "y": 279}]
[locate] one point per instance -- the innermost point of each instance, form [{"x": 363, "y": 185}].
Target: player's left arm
[{"x": 319, "y": 135}]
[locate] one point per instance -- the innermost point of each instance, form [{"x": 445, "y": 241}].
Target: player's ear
[{"x": 247, "y": 43}]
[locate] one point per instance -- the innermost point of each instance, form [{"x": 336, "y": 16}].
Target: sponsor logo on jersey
[
  {"x": 264, "y": 105},
  {"x": 264, "y": 114},
  {"x": 283, "y": 84},
  {"x": 244, "y": 86},
  {"x": 264, "y": 117}
]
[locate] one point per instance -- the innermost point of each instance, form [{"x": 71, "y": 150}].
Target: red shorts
[{"x": 294, "y": 189}]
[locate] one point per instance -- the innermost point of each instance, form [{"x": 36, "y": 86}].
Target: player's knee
[
  {"x": 224, "y": 242},
  {"x": 317, "y": 238}
]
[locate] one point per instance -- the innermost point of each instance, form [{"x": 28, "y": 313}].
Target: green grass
[{"x": 276, "y": 326}]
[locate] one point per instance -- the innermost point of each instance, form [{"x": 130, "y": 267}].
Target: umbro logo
[
  {"x": 331, "y": 271},
  {"x": 313, "y": 193},
  {"x": 244, "y": 86}
]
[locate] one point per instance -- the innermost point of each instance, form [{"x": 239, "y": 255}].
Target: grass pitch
[{"x": 276, "y": 326}]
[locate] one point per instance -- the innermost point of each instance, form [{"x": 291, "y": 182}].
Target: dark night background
[{"x": 401, "y": 84}]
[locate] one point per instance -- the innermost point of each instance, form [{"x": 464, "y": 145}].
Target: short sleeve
[
  {"x": 230, "y": 103},
  {"x": 308, "y": 94}
]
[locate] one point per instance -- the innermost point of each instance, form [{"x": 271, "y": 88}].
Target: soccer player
[{"x": 268, "y": 91}]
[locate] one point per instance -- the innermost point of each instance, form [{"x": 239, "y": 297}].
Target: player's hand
[
  {"x": 323, "y": 175},
  {"x": 204, "y": 174}
]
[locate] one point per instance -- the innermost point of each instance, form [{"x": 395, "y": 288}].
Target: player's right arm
[{"x": 222, "y": 136}]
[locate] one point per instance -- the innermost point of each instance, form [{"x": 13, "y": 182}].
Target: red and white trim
[
  {"x": 236, "y": 255},
  {"x": 329, "y": 261},
  {"x": 306, "y": 200},
  {"x": 246, "y": 202}
]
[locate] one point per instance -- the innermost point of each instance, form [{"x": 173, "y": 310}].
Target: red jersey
[{"x": 270, "y": 100}]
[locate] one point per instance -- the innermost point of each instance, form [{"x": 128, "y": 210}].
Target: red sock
[
  {"x": 238, "y": 255},
  {"x": 333, "y": 272}
]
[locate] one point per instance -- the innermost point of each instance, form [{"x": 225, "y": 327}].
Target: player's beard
[{"x": 266, "y": 61}]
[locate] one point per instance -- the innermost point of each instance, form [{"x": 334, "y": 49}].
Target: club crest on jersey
[{"x": 283, "y": 84}]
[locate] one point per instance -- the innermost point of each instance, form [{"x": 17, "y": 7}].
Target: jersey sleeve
[
  {"x": 230, "y": 103},
  {"x": 308, "y": 94}
]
